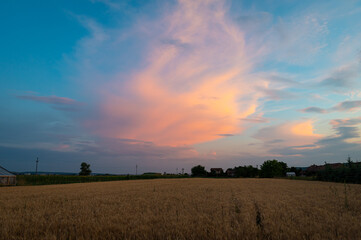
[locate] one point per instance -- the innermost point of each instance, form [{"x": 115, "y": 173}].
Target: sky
[{"x": 167, "y": 85}]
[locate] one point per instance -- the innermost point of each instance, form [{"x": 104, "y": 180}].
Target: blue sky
[{"x": 172, "y": 84}]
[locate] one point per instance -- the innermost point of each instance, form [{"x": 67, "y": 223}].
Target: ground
[{"x": 183, "y": 209}]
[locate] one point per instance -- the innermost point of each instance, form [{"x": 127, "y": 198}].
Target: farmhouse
[
  {"x": 230, "y": 172},
  {"x": 6, "y": 177},
  {"x": 290, "y": 174}
]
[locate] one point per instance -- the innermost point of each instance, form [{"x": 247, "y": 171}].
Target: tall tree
[
  {"x": 85, "y": 169},
  {"x": 273, "y": 168},
  {"x": 198, "y": 171}
]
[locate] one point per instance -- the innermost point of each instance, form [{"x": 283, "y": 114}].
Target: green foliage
[
  {"x": 348, "y": 173},
  {"x": 198, "y": 171},
  {"x": 246, "y": 171},
  {"x": 273, "y": 168},
  {"x": 85, "y": 169}
]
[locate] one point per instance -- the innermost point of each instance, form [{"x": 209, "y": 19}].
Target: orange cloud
[
  {"x": 289, "y": 135},
  {"x": 304, "y": 129}
]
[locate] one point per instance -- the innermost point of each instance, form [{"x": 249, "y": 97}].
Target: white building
[{"x": 6, "y": 177}]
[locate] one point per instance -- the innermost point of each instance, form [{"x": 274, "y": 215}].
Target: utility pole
[
  {"x": 182, "y": 171},
  {"x": 136, "y": 169},
  {"x": 177, "y": 171},
  {"x": 36, "y": 170}
]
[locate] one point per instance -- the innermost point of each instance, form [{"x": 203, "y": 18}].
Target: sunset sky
[{"x": 173, "y": 84}]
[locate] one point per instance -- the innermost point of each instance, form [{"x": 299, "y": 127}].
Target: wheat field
[{"x": 182, "y": 209}]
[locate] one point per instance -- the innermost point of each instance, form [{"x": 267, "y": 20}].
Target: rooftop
[{"x": 4, "y": 172}]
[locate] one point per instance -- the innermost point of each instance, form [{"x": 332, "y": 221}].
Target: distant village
[
  {"x": 274, "y": 168},
  {"x": 293, "y": 171},
  {"x": 337, "y": 172}
]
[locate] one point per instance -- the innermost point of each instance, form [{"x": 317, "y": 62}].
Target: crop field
[{"x": 182, "y": 209}]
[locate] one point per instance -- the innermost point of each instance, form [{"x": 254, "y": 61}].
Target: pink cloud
[{"x": 194, "y": 86}]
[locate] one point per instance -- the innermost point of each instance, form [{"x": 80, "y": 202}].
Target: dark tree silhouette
[
  {"x": 85, "y": 169},
  {"x": 246, "y": 171},
  {"x": 198, "y": 171},
  {"x": 273, "y": 168}
]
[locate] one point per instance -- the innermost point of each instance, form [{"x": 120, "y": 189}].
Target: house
[
  {"x": 216, "y": 171},
  {"x": 290, "y": 174},
  {"x": 6, "y": 177},
  {"x": 230, "y": 172}
]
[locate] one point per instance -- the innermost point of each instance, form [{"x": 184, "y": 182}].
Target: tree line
[
  {"x": 349, "y": 172},
  {"x": 269, "y": 169}
]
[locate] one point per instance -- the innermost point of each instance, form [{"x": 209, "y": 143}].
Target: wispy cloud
[
  {"x": 345, "y": 106},
  {"x": 346, "y": 128},
  {"x": 225, "y": 135},
  {"x": 346, "y": 122},
  {"x": 294, "y": 39},
  {"x": 277, "y": 94},
  {"x": 301, "y": 36},
  {"x": 111, "y": 4},
  {"x": 49, "y": 99},
  {"x": 288, "y": 134},
  {"x": 314, "y": 110},
  {"x": 343, "y": 77},
  {"x": 255, "y": 120},
  {"x": 58, "y": 103}
]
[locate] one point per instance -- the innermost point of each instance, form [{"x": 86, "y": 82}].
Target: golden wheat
[{"x": 183, "y": 209}]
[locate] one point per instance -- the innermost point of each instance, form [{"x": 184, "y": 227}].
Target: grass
[
  {"x": 182, "y": 209},
  {"x": 305, "y": 178},
  {"x": 27, "y": 180}
]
